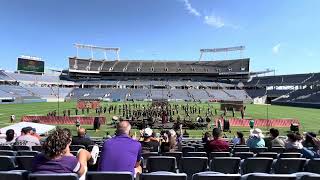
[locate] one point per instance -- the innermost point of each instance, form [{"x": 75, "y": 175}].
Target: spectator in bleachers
[
  {"x": 312, "y": 153},
  {"x": 239, "y": 139},
  {"x": 121, "y": 153},
  {"x": 149, "y": 144},
  {"x": 293, "y": 141},
  {"x": 56, "y": 156},
  {"x": 26, "y": 138},
  {"x": 82, "y": 139},
  {"x": 274, "y": 139},
  {"x": 170, "y": 142},
  {"x": 217, "y": 144},
  {"x": 34, "y": 133},
  {"x": 10, "y": 138},
  {"x": 206, "y": 137},
  {"x": 308, "y": 141},
  {"x": 256, "y": 138}
]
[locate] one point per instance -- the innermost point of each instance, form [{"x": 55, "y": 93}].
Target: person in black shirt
[
  {"x": 81, "y": 139},
  {"x": 149, "y": 144}
]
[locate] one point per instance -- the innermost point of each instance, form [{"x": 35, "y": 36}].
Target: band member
[{"x": 12, "y": 118}]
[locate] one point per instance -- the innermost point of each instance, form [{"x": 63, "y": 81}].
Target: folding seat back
[
  {"x": 215, "y": 176},
  {"x": 227, "y": 165},
  {"x": 177, "y": 155},
  {"x": 277, "y": 149},
  {"x": 313, "y": 165},
  {"x": 200, "y": 149},
  {"x": 256, "y": 165},
  {"x": 149, "y": 154},
  {"x": 265, "y": 176},
  {"x": 186, "y": 149},
  {"x": 310, "y": 176},
  {"x": 36, "y": 148},
  {"x": 76, "y": 147},
  {"x": 289, "y": 165},
  {"x": 21, "y": 148},
  {"x": 109, "y": 176},
  {"x": 7, "y": 153},
  {"x": 243, "y": 155},
  {"x": 218, "y": 154},
  {"x": 273, "y": 155},
  {"x": 192, "y": 165},
  {"x": 5, "y": 147},
  {"x": 163, "y": 176},
  {"x": 290, "y": 155},
  {"x": 7, "y": 163},
  {"x": 196, "y": 154},
  {"x": 258, "y": 150},
  {"x": 58, "y": 176},
  {"x": 161, "y": 163},
  {"x": 13, "y": 175},
  {"x": 241, "y": 149},
  {"x": 24, "y": 162},
  {"x": 27, "y": 153}
]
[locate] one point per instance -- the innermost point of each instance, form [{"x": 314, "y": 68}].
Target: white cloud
[
  {"x": 276, "y": 48},
  {"x": 190, "y": 9},
  {"x": 214, "y": 21}
]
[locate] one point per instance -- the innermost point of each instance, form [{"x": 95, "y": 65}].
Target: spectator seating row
[{"x": 24, "y": 175}]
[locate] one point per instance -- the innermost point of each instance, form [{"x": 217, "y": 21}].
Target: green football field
[{"x": 308, "y": 117}]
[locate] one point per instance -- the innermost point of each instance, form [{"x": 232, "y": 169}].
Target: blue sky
[{"x": 281, "y": 35}]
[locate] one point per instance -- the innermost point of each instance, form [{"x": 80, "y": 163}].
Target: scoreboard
[{"x": 30, "y": 65}]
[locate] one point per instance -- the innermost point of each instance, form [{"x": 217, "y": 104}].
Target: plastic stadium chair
[
  {"x": 177, "y": 155},
  {"x": 277, "y": 149},
  {"x": 272, "y": 155},
  {"x": 290, "y": 155},
  {"x": 243, "y": 155},
  {"x": 109, "y": 176},
  {"x": 218, "y": 154},
  {"x": 264, "y": 176},
  {"x": 209, "y": 175},
  {"x": 192, "y": 165},
  {"x": 21, "y": 148},
  {"x": 60, "y": 176},
  {"x": 289, "y": 165},
  {"x": 7, "y": 163},
  {"x": 256, "y": 165},
  {"x": 27, "y": 153},
  {"x": 7, "y": 153},
  {"x": 196, "y": 154},
  {"x": 24, "y": 162},
  {"x": 76, "y": 147},
  {"x": 258, "y": 150},
  {"x": 163, "y": 176},
  {"x": 14, "y": 175},
  {"x": 6, "y": 147},
  {"x": 307, "y": 176},
  {"x": 241, "y": 149},
  {"x": 227, "y": 165},
  {"x": 36, "y": 148},
  {"x": 161, "y": 163},
  {"x": 186, "y": 149},
  {"x": 149, "y": 154},
  {"x": 313, "y": 166},
  {"x": 200, "y": 149}
]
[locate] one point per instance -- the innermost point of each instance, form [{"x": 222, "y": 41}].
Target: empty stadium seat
[
  {"x": 243, "y": 155},
  {"x": 277, "y": 149},
  {"x": 218, "y": 154},
  {"x": 21, "y": 148},
  {"x": 7, "y": 153},
  {"x": 307, "y": 176},
  {"x": 7, "y": 163},
  {"x": 24, "y": 162},
  {"x": 161, "y": 163},
  {"x": 290, "y": 155},
  {"x": 186, "y": 149},
  {"x": 200, "y": 149},
  {"x": 58, "y": 176},
  {"x": 273, "y": 155},
  {"x": 27, "y": 153},
  {"x": 4, "y": 147},
  {"x": 196, "y": 154},
  {"x": 13, "y": 175},
  {"x": 177, "y": 155},
  {"x": 313, "y": 165},
  {"x": 241, "y": 149},
  {"x": 228, "y": 165},
  {"x": 76, "y": 147},
  {"x": 265, "y": 176},
  {"x": 36, "y": 148},
  {"x": 215, "y": 176},
  {"x": 163, "y": 176},
  {"x": 192, "y": 165},
  {"x": 258, "y": 150},
  {"x": 109, "y": 176},
  {"x": 289, "y": 165},
  {"x": 256, "y": 165}
]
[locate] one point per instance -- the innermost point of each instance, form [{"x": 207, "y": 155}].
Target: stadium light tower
[
  {"x": 93, "y": 48},
  {"x": 217, "y": 50}
]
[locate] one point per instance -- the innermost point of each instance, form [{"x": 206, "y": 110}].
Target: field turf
[{"x": 308, "y": 117}]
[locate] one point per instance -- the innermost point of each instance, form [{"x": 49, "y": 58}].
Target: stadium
[{"x": 181, "y": 90}]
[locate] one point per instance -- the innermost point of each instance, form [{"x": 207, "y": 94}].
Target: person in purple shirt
[
  {"x": 121, "y": 153},
  {"x": 56, "y": 156}
]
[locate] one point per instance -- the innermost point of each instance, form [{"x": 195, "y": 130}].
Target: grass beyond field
[{"x": 309, "y": 118}]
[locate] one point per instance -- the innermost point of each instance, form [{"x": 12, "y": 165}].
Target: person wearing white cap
[
  {"x": 149, "y": 144},
  {"x": 256, "y": 139}
]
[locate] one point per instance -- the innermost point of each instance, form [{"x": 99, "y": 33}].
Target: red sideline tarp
[
  {"x": 61, "y": 119},
  {"x": 261, "y": 122}
]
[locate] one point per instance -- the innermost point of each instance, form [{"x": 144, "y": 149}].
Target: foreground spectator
[
  {"x": 149, "y": 144},
  {"x": 311, "y": 154},
  {"x": 256, "y": 139},
  {"x": 9, "y": 140},
  {"x": 121, "y": 153},
  {"x": 275, "y": 141},
  {"x": 239, "y": 140},
  {"x": 56, "y": 156},
  {"x": 82, "y": 139},
  {"x": 217, "y": 144},
  {"x": 308, "y": 142},
  {"x": 170, "y": 142},
  {"x": 206, "y": 137},
  {"x": 26, "y": 138},
  {"x": 293, "y": 141}
]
